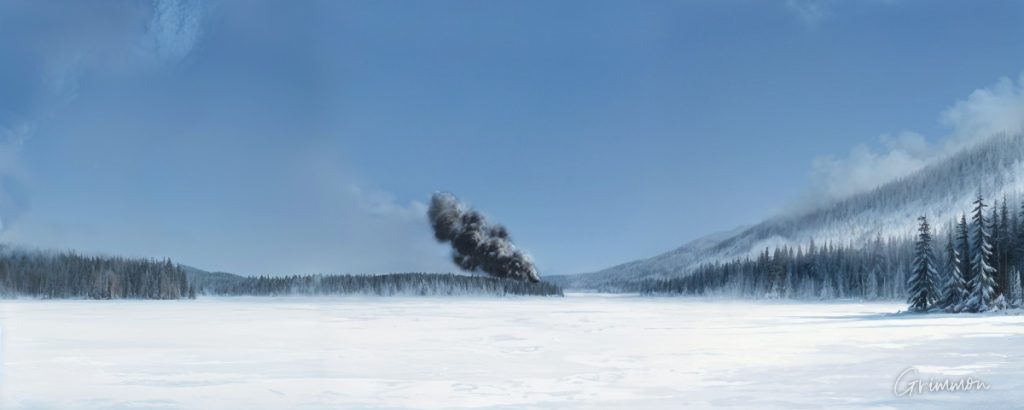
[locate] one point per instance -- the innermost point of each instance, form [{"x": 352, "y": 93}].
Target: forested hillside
[
  {"x": 939, "y": 191},
  {"x": 975, "y": 266}
]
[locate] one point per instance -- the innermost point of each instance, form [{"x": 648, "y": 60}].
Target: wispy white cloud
[
  {"x": 163, "y": 34},
  {"x": 275, "y": 196},
  {"x": 810, "y": 12},
  {"x": 814, "y": 12},
  {"x": 173, "y": 30},
  {"x": 68, "y": 43},
  {"x": 986, "y": 112},
  {"x": 866, "y": 167},
  {"x": 13, "y": 177},
  {"x": 349, "y": 224},
  {"x": 383, "y": 204}
]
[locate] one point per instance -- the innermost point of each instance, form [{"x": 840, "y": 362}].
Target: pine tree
[
  {"x": 777, "y": 275},
  {"x": 790, "y": 280},
  {"x": 963, "y": 240},
  {"x": 1019, "y": 235},
  {"x": 999, "y": 236},
  {"x": 827, "y": 290},
  {"x": 871, "y": 285},
  {"x": 899, "y": 281},
  {"x": 982, "y": 284},
  {"x": 921, "y": 284},
  {"x": 1014, "y": 292},
  {"x": 874, "y": 270},
  {"x": 955, "y": 289},
  {"x": 1005, "y": 239}
]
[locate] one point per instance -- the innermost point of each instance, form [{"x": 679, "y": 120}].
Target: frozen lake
[{"x": 428, "y": 353}]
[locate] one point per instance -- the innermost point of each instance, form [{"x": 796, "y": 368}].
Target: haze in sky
[{"x": 301, "y": 137}]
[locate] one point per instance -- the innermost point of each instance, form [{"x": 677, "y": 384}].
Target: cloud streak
[
  {"x": 997, "y": 109},
  {"x": 810, "y": 12},
  {"x": 189, "y": 130},
  {"x": 13, "y": 177},
  {"x": 56, "y": 46},
  {"x": 174, "y": 29},
  {"x": 986, "y": 112},
  {"x": 813, "y": 13}
]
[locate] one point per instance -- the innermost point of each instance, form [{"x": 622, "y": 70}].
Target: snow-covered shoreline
[{"x": 594, "y": 351}]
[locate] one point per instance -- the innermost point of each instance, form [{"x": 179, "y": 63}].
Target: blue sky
[{"x": 300, "y": 137}]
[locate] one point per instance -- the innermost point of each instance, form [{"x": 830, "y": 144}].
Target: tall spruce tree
[
  {"x": 874, "y": 270},
  {"x": 922, "y": 284},
  {"x": 999, "y": 243},
  {"x": 1019, "y": 235},
  {"x": 963, "y": 240},
  {"x": 1005, "y": 240},
  {"x": 1014, "y": 292},
  {"x": 955, "y": 288},
  {"x": 982, "y": 284}
]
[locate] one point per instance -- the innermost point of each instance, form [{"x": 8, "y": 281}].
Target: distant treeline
[
  {"x": 394, "y": 284},
  {"x": 830, "y": 271},
  {"x": 58, "y": 275},
  {"x": 69, "y": 275}
]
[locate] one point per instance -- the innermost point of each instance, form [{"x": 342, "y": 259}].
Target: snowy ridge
[
  {"x": 939, "y": 191},
  {"x": 670, "y": 263}
]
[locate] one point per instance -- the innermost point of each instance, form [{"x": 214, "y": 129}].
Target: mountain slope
[
  {"x": 670, "y": 263},
  {"x": 940, "y": 191}
]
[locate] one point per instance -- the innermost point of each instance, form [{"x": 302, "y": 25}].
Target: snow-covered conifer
[
  {"x": 955, "y": 288},
  {"x": 921, "y": 284},
  {"x": 982, "y": 284},
  {"x": 1014, "y": 292},
  {"x": 963, "y": 241}
]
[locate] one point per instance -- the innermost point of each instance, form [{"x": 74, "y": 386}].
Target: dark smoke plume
[{"x": 476, "y": 244}]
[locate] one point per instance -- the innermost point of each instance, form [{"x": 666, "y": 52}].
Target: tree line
[
  {"x": 829, "y": 271},
  {"x": 70, "y": 275},
  {"x": 393, "y": 284},
  {"x": 60, "y": 275}
]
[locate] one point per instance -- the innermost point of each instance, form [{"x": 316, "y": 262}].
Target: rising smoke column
[{"x": 476, "y": 244}]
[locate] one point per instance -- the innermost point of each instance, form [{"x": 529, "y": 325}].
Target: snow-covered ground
[{"x": 428, "y": 353}]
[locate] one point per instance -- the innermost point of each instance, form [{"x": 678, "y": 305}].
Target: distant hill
[
  {"x": 203, "y": 280},
  {"x": 940, "y": 191},
  {"x": 668, "y": 264}
]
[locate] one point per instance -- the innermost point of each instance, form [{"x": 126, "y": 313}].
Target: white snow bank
[{"x": 429, "y": 353}]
